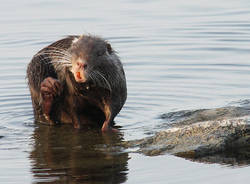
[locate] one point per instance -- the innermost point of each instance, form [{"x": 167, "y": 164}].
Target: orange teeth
[{"x": 78, "y": 75}]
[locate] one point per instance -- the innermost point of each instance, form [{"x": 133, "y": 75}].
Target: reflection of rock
[
  {"x": 65, "y": 155},
  {"x": 239, "y": 157},
  {"x": 218, "y": 139}
]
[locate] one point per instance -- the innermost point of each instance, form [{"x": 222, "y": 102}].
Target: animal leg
[
  {"x": 50, "y": 88},
  {"x": 106, "y": 125}
]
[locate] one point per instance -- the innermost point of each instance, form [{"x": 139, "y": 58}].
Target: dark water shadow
[
  {"x": 234, "y": 158},
  {"x": 62, "y": 154}
]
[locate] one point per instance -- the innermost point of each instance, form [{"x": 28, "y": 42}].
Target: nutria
[{"x": 78, "y": 80}]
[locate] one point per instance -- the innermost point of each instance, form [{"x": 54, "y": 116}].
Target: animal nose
[{"x": 81, "y": 65}]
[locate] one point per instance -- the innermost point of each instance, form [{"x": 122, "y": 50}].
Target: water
[{"x": 177, "y": 55}]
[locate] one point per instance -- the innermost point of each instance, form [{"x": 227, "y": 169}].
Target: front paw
[
  {"x": 107, "y": 128},
  {"x": 51, "y": 87}
]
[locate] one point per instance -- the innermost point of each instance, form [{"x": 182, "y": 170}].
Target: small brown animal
[{"x": 78, "y": 80}]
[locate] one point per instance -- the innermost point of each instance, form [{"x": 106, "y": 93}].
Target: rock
[{"x": 218, "y": 139}]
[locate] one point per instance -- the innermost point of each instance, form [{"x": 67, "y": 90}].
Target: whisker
[
  {"x": 60, "y": 60},
  {"x": 53, "y": 57},
  {"x": 53, "y": 54},
  {"x": 92, "y": 78},
  {"x": 106, "y": 82},
  {"x": 54, "y": 60},
  {"x": 56, "y": 49}
]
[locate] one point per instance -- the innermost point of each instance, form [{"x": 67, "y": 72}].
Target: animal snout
[{"x": 82, "y": 65}]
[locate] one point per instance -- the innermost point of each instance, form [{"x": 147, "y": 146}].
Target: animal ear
[{"x": 109, "y": 48}]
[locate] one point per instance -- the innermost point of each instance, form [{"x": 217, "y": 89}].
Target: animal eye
[{"x": 109, "y": 48}]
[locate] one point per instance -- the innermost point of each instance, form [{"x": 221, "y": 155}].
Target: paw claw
[{"x": 51, "y": 86}]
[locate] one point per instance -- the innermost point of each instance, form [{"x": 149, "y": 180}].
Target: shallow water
[{"x": 179, "y": 55}]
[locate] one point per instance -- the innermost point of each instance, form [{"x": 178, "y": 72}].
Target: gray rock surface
[{"x": 210, "y": 135}]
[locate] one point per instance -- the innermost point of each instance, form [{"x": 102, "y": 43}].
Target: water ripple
[{"x": 177, "y": 55}]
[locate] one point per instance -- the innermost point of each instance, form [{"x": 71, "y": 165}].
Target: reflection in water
[
  {"x": 234, "y": 158},
  {"x": 62, "y": 154}
]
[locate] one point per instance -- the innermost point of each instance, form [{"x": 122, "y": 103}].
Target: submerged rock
[{"x": 215, "y": 135}]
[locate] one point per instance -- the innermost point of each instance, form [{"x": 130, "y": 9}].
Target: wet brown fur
[{"x": 93, "y": 102}]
